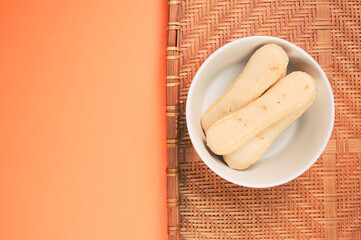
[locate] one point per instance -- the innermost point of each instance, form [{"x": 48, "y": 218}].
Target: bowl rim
[{"x": 191, "y": 130}]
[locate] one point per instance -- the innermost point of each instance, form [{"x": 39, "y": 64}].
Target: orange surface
[{"x": 82, "y": 125}]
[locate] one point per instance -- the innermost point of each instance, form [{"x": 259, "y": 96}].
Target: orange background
[{"x": 82, "y": 124}]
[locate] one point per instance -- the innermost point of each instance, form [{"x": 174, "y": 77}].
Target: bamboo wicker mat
[{"x": 324, "y": 202}]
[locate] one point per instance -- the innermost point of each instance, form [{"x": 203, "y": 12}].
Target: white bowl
[{"x": 296, "y": 148}]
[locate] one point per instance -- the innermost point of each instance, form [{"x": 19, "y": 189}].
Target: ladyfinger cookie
[
  {"x": 291, "y": 92},
  {"x": 267, "y": 65},
  {"x": 252, "y": 151}
]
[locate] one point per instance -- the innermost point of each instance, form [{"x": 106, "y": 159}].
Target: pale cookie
[
  {"x": 267, "y": 65},
  {"x": 252, "y": 151},
  {"x": 291, "y": 92}
]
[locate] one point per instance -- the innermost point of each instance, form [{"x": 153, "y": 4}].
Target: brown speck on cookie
[
  {"x": 264, "y": 107},
  {"x": 278, "y": 102},
  {"x": 239, "y": 119},
  {"x": 284, "y": 95},
  {"x": 307, "y": 87},
  {"x": 262, "y": 138},
  {"x": 273, "y": 69},
  {"x": 245, "y": 124}
]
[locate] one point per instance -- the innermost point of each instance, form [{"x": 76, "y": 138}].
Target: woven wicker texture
[{"x": 324, "y": 202}]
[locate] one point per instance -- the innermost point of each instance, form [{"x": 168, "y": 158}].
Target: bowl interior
[{"x": 296, "y": 148}]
